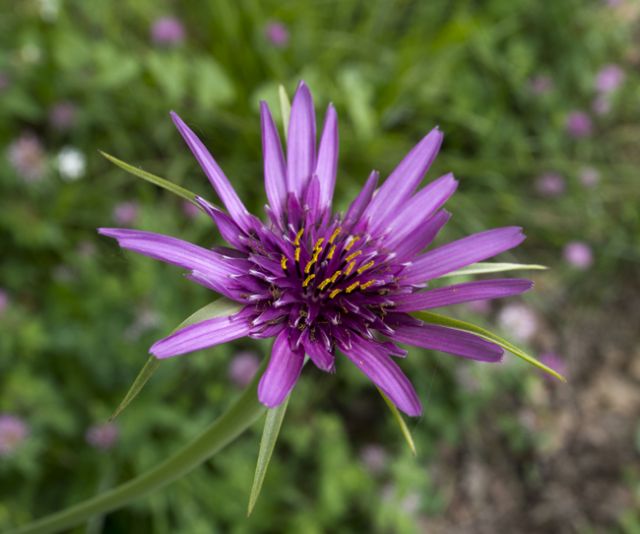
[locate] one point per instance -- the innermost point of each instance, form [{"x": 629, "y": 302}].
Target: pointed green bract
[
  {"x": 216, "y": 308},
  {"x": 487, "y": 268},
  {"x": 161, "y": 182},
  {"x": 435, "y": 318},
  {"x": 406, "y": 433},
  {"x": 285, "y": 108},
  {"x": 272, "y": 425}
]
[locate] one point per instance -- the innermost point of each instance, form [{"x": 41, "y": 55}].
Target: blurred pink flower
[
  {"x": 103, "y": 436},
  {"x": 519, "y": 321},
  {"x": 167, "y": 31},
  {"x": 26, "y": 155},
  {"x": 553, "y": 361},
  {"x": 125, "y": 212},
  {"x": 479, "y": 306},
  {"x": 277, "y": 33},
  {"x": 243, "y": 368},
  {"x": 190, "y": 209},
  {"x": 374, "y": 458},
  {"x": 589, "y": 177},
  {"x": 601, "y": 105},
  {"x": 13, "y": 431},
  {"x": 609, "y": 78},
  {"x": 541, "y": 84},
  {"x": 4, "y": 300},
  {"x": 579, "y": 124},
  {"x": 550, "y": 184},
  {"x": 62, "y": 116},
  {"x": 578, "y": 254}
]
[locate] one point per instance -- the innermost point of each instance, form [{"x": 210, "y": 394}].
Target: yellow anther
[
  {"x": 318, "y": 245},
  {"x": 367, "y": 284},
  {"x": 309, "y": 264},
  {"x": 366, "y": 266},
  {"x": 324, "y": 283},
  {"x": 283, "y": 262},
  {"x": 349, "y": 268},
  {"x": 335, "y": 234},
  {"x": 353, "y": 256},
  {"x": 335, "y": 276},
  {"x": 308, "y": 279},
  {"x": 298, "y": 236},
  {"x": 297, "y": 254},
  {"x": 352, "y": 287},
  {"x": 333, "y": 294},
  {"x": 332, "y": 251},
  {"x": 351, "y": 242}
]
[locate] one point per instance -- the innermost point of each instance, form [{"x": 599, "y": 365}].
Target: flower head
[
  {"x": 27, "y": 156},
  {"x": 578, "y": 254},
  {"x": 551, "y": 359},
  {"x": 579, "y": 124},
  {"x": 102, "y": 436},
  {"x": 609, "y": 78},
  {"x": 589, "y": 177},
  {"x": 13, "y": 431},
  {"x": 550, "y": 184},
  {"x": 62, "y": 115},
  {"x": 125, "y": 212},
  {"x": 321, "y": 282},
  {"x": 520, "y": 320},
  {"x": 72, "y": 163},
  {"x": 243, "y": 368},
  {"x": 167, "y": 31},
  {"x": 277, "y": 34}
]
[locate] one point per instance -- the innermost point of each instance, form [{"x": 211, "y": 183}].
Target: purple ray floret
[{"x": 318, "y": 281}]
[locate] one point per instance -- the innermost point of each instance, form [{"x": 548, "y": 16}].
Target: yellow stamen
[
  {"x": 367, "y": 284},
  {"x": 335, "y": 234},
  {"x": 309, "y": 264},
  {"x": 366, "y": 266},
  {"x": 283, "y": 262},
  {"x": 308, "y": 279},
  {"x": 318, "y": 245},
  {"x": 332, "y": 251},
  {"x": 334, "y": 293},
  {"x": 352, "y": 256},
  {"x": 351, "y": 242},
  {"x": 335, "y": 276},
  {"x": 352, "y": 287},
  {"x": 298, "y": 236},
  {"x": 297, "y": 254},
  {"x": 324, "y": 283},
  {"x": 349, "y": 268}
]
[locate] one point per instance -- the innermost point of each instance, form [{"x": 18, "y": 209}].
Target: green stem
[{"x": 223, "y": 431}]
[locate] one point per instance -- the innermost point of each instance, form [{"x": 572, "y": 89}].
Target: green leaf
[
  {"x": 486, "y": 268},
  {"x": 216, "y": 308},
  {"x": 272, "y": 425},
  {"x": 401, "y": 422},
  {"x": 435, "y": 318},
  {"x": 285, "y": 108},
  {"x": 165, "y": 184}
]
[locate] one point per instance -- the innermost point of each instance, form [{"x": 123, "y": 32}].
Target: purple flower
[
  {"x": 553, "y": 361},
  {"x": 541, "y": 84},
  {"x": 13, "y": 431},
  {"x": 601, "y": 105},
  {"x": 4, "y": 300},
  {"x": 102, "y": 436},
  {"x": 277, "y": 33},
  {"x": 26, "y": 155},
  {"x": 167, "y": 31},
  {"x": 519, "y": 320},
  {"x": 550, "y": 184},
  {"x": 125, "y": 212},
  {"x": 578, "y": 254},
  {"x": 320, "y": 282},
  {"x": 589, "y": 177},
  {"x": 579, "y": 124},
  {"x": 190, "y": 209},
  {"x": 243, "y": 368},
  {"x": 62, "y": 116},
  {"x": 609, "y": 78}
]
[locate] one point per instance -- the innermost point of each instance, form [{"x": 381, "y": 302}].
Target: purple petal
[
  {"x": 319, "y": 355},
  {"x": 446, "y": 296},
  {"x": 218, "y": 180},
  {"x": 465, "y": 251},
  {"x": 175, "y": 251},
  {"x": 419, "y": 209},
  {"x": 301, "y": 141},
  {"x": 404, "y": 180},
  {"x": 275, "y": 174},
  {"x": 228, "y": 229},
  {"x": 359, "y": 204},
  {"x": 200, "y": 336},
  {"x": 418, "y": 241},
  {"x": 282, "y": 372},
  {"x": 312, "y": 200},
  {"x": 449, "y": 340},
  {"x": 385, "y": 374},
  {"x": 327, "y": 164}
]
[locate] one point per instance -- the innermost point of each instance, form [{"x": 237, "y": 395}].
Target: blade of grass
[
  {"x": 406, "y": 433},
  {"x": 486, "y": 268}
]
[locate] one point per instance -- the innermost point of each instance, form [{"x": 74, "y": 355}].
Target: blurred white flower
[
  {"x": 519, "y": 321},
  {"x": 71, "y": 163}
]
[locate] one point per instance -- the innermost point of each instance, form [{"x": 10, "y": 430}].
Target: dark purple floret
[{"x": 320, "y": 282}]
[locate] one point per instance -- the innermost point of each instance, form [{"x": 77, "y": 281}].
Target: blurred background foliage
[{"x": 539, "y": 105}]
